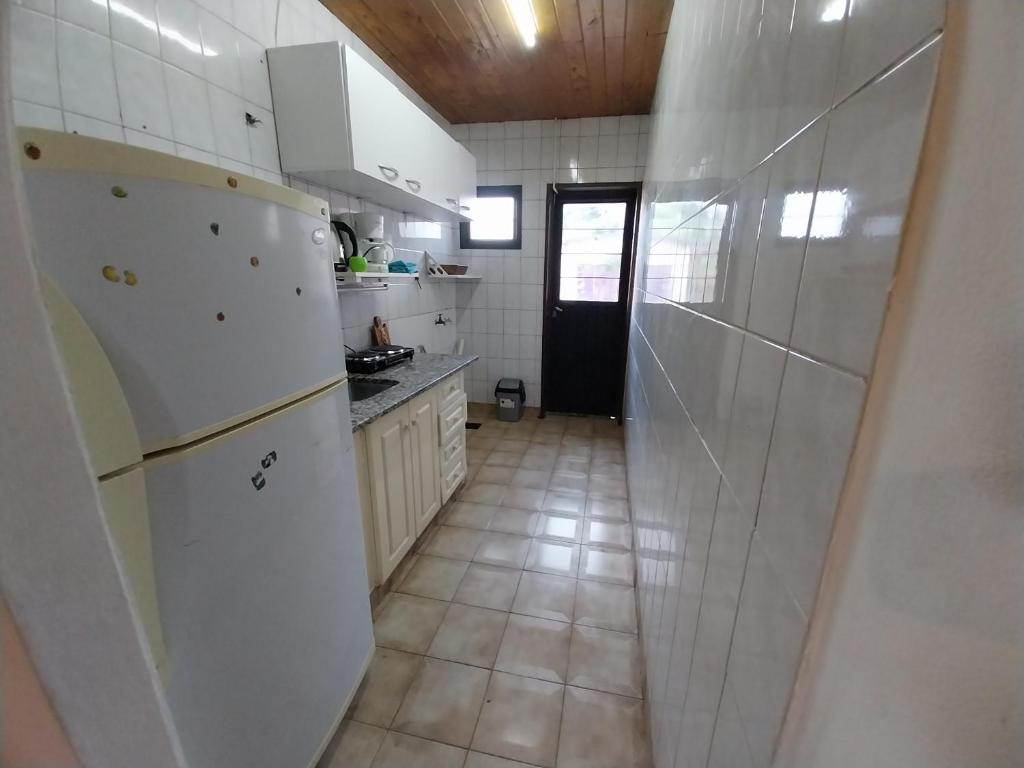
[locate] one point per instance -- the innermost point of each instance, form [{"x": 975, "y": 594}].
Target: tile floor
[{"x": 510, "y": 639}]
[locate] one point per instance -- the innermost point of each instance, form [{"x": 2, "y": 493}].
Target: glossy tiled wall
[
  {"x": 784, "y": 145},
  {"x": 179, "y": 76},
  {"x": 500, "y": 316}
]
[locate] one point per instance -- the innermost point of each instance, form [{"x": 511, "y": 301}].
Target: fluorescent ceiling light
[{"x": 524, "y": 19}]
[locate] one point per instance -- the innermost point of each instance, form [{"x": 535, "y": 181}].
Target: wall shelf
[{"x": 471, "y": 278}]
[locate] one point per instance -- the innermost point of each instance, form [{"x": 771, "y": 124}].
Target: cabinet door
[
  {"x": 377, "y": 112},
  {"x": 426, "y": 466},
  {"x": 464, "y": 169},
  {"x": 390, "y": 459}
]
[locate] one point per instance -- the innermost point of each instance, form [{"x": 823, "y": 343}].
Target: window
[
  {"x": 592, "y": 244},
  {"x": 497, "y": 219}
]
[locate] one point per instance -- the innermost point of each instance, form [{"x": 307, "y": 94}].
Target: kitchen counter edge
[{"x": 414, "y": 378}]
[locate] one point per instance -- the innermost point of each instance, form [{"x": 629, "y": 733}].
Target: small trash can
[{"x": 510, "y": 394}]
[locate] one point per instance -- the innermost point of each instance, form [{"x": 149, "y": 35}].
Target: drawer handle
[
  {"x": 414, "y": 185},
  {"x": 389, "y": 173}
]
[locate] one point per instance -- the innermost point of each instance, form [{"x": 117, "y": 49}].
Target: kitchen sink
[{"x": 360, "y": 389}]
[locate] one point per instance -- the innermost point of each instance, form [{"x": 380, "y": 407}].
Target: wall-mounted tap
[{"x": 442, "y": 320}]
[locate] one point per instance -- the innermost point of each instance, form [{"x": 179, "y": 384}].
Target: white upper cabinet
[{"x": 342, "y": 124}]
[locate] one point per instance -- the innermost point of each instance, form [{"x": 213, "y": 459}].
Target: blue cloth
[{"x": 404, "y": 267}]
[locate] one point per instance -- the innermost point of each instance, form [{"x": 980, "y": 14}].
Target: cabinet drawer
[
  {"x": 450, "y": 481},
  {"x": 453, "y": 421},
  {"x": 447, "y": 391},
  {"x": 451, "y": 454}
]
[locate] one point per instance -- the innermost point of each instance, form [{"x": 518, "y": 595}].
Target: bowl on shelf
[{"x": 455, "y": 269}]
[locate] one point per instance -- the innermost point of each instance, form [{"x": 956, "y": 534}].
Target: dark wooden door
[{"x": 591, "y": 242}]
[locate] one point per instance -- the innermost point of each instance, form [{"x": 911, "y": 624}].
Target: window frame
[{"x": 515, "y": 243}]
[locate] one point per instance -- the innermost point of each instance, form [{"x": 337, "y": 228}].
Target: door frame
[{"x": 614, "y": 191}]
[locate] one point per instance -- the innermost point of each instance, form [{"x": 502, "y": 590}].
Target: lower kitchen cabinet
[
  {"x": 425, "y": 459},
  {"x": 410, "y": 461},
  {"x": 389, "y": 459}
]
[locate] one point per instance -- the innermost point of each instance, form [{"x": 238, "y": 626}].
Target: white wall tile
[
  {"x": 86, "y": 65},
  {"x": 607, "y": 150},
  {"x": 220, "y": 52},
  {"x": 88, "y": 126},
  {"x": 230, "y": 133},
  {"x": 870, "y": 161},
  {"x": 91, "y": 14},
  {"x": 34, "y": 57},
  {"x": 148, "y": 141},
  {"x": 37, "y": 116},
  {"x": 134, "y": 23},
  {"x": 783, "y": 238},
  {"x": 180, "y": 40},
  {"x": 878, "y": 33},
  {"x": 191, "y": 118},
  {"x": 143, "y": 95}
]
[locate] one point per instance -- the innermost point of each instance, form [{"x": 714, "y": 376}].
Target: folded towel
[{"x": 403, "y": 267}]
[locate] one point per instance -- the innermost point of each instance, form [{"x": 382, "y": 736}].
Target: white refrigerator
[{"x": 198, "y": 321}]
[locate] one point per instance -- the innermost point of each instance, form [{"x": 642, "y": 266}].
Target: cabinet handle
[
  {"x": 414, "y": 185},
  {"x": 463, "y": 207},
  {"x": 452, "y": 201},
  {"x": 389, "y": 173}
]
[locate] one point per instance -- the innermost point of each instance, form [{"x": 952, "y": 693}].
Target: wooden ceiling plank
[
  {"x": 567, "y": 18},
  {"x": 465, "y": 58},
  {"x": 592, "y": 26}
]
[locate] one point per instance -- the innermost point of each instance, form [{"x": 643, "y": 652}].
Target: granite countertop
[{"x": 424, "y": 371}]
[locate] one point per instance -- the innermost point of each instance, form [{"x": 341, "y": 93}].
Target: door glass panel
[{"x": 591, "y": 259}]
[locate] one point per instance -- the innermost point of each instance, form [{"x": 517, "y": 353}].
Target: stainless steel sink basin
[{"x": 360, "y": 389}]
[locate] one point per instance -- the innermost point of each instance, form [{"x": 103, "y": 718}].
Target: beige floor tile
[
  {"x": 454, "y": 543},
  {"x": 480, "y": 760},
  {"x": 608, "y": 606},
  {"x": 608, "y": 469},
  {"x": 574, "y": 482},
  {"x": 443, "y": 702},
  {"x": 499, "y": 458},
  {"x": 559, "y": 527},
  {"x": 531, "y": 478},
  {"x": 549, "y": 452},
  {"x": 408, "y": 562},
  {"x": 436, "y": 577},
  {"x": 484, "y": 493},
  {"x": 609, "y": 565},
  {"x": 518, "y": 521},
  {"x": 545, "y": 596},
  {"x": 524, "y": 498},
  {"x": 531, "y": 461},
  {"x": 615, "y": 455},
  {"x": 504, "y": 549},
  {"x": 602, "y": 730},
  {"x": 513, "y": 441},
  {"x": 575, "y": 451},
  {"x": 608, "y": 487},
  {"x": 520, "y": 719},
  {"x": 604, "y": 660},
  {"x": 545, "y": 437},
  {"x": 492, "y": 473},
  {"x": 353, "y": 746},
  {"x": 570, "y": 464},
  {"x": 555, "y": 557},
  {"x": 573, "y": 504},
  {"x": 384, "y": 686},
  {"x": 608, "y": 533},
  {"x": 608, "y": 509},
  {"x": 408, "y": 623},
  {"x": 535, "y": 647},
  {"x": 466, "y": 514},
  {"x": 488, "y": 586},
  {"x": 401, "y": 751},
  {"x": 469, "y": 635},
  {"x": 483, "y": 443}
]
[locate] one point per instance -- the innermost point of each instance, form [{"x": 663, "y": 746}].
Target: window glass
[
  {"x": 493, "y": 218},
  {"x": 591, "y": 251}
]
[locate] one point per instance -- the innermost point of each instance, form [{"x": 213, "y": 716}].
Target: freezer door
[
  {"x": 213, "y": 305},
  {"x": 261, "y": 581}
]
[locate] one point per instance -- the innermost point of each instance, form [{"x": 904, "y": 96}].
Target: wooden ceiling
[{"x": 464, "y": 57}]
